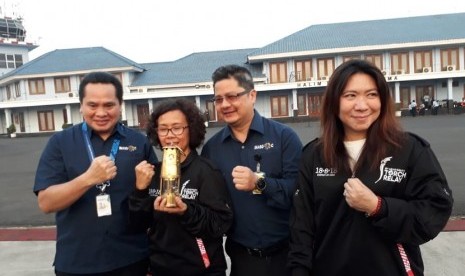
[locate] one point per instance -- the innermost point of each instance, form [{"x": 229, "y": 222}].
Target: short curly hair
[{"x": 194, "y": 117}]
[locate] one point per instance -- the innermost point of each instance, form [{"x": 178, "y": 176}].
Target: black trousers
[
  {"x": 136, "y": 269},
  {"x": 245, "y": 263}
]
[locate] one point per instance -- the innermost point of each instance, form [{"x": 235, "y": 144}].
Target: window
[
  {"x": 449, "y": 57},
  {"x": 301, "y": 105},
  {"x": 45, "y": 120},
  {"x": 18, "y": 60},
  {"x": 399, "y": 63},
  {"x": 62, "y": 84},
  {"x": 17, "y": 90},
  {"x": 376, "y": 59},
  {"x": 347, "y": 58},
  {"x": 325, "y": 67},
  {"x": 422, "y": 59},
  {"x": 278, "y": 72},
  {"x": 65, "y": 116},
  {"x": 279, "y": 106},
  {"x": 8, "y": 92},
  {"x": 2, "y": 61},
  {"x": 424, "y": 92},
  {"x": 211, "y": 111},
  {"x": 314, "y": 104},
  {"x": 36, "y": 86},
  {"x": 10, "y": 61},
  {"x": 404, "y": 97},
  {"x": 303, "y": 70}
]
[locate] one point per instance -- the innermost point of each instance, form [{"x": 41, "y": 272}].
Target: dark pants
[
  {"x": 246, "y": 262},
  {"x": 136, "y": 269}
]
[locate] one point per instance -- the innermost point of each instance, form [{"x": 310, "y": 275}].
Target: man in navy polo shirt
[
  {"x": 259, "y": 160},
  {"x": 85, "y": 175}
]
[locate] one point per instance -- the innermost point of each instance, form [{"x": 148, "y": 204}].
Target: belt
[{"x": 267, "y": 251}]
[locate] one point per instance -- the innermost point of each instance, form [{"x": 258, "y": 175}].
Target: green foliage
[
  {"x": 66, "y": 125},
  {"x": 11, "y": 129}
]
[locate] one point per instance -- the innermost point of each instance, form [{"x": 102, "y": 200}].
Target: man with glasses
[{"x": 259, "y": 160}]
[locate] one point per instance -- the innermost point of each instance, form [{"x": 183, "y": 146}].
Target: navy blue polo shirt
[
  {"x": 259, "y": 220},
  {"x": 87, "y": 243}
]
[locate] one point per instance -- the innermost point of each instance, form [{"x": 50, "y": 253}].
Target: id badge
[{"x": 103, "y": 205}]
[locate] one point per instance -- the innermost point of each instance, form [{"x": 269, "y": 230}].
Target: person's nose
[
  {"x": 361, "y": 103},
  {"x": 100, "y": 111}
]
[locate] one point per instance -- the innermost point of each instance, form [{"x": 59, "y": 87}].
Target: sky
[{"x": 165, "y": 30}]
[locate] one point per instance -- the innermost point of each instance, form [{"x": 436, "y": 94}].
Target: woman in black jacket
[
  {"x": 368, "y": 193},
  {"x": 186, "y": 239}
]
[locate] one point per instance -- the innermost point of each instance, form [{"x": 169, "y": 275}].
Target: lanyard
[{"x": 90, "y": 153}]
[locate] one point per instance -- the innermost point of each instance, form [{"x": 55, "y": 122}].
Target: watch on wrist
[{"x": 261, "y": 183}]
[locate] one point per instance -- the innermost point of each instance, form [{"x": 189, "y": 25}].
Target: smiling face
[
  {"x": 237, "y": 111},
  {"x": 100, "y": 108},
  {"x": 359, "y": 106},
  {"x": 177, "y": 120}
]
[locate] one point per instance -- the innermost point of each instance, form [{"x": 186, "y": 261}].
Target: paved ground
[{"x": 27, "y": 250}]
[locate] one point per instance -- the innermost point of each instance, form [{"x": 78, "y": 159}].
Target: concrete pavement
[{"x": 30, "y": 251}]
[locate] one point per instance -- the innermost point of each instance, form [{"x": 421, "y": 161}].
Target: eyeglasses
[
  {"x": 230, "y": 98},
  {"x": 177, "y": 130}
]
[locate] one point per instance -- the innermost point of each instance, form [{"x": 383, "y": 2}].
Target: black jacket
[
  {"x": 330, "y": 238},
  {"x": 173, "y": 243}
]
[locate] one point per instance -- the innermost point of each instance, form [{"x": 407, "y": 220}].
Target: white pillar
[
  {"x": 450, "y": 91},
  {"x": 123, "y": 111},
  {"x": 397, "y": 92},
  {"x": 68, "y": 114},
  {"x": 197, "y": 101},
  {"x": 294, "y": 99},
  {"x": 150, "y": 102},
  {"x": 7, "y": 117},
  {"x": 397, "y": 98}
]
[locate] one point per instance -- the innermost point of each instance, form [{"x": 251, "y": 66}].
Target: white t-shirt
[{"x": 354, "y": 148}]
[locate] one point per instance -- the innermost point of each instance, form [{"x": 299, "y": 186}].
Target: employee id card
[{"x": 103, "y": 205}]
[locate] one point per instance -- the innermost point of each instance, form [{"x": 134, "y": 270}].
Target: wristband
[{"x": 377, "y": 209}]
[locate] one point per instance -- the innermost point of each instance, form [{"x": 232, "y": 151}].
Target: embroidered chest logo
[
  {"x": 265, "y": 146},
  {"x": 319, "y": 171},
  {"x": 188, "y": 193},
  {"x": 390, "y": 174},
  {"x": 128, "y": 148}
]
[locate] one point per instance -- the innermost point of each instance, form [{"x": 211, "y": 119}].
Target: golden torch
[{"x": 170, "y": 174}]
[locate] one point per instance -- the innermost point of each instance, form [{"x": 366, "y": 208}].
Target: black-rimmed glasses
[
  {"x": 230, "y": 98},
  {"x": 177, "y": 130}
]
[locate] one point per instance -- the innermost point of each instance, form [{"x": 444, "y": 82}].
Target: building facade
[{"x": 423, "y": 58}]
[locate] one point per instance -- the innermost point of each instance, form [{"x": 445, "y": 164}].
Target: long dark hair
[
  {"x": 383, "y": 136},
  {"x": 193, "y": 115}
]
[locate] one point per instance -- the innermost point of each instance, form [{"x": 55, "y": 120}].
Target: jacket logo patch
[
  {"x": 188, "y": 193},
  {"x": 390, "y": 174},
  {"x": 319, "y": 171}
]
